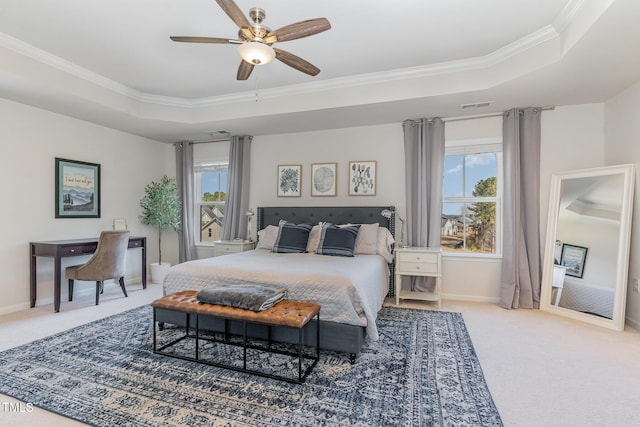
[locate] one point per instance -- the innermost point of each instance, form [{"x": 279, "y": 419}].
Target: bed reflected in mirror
[{"x": 587, "y": 250}]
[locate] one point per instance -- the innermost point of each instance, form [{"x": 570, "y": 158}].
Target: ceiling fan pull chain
[{"x": 257, "y": 79}]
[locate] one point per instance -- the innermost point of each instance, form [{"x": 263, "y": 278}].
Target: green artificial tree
[{"x": 161, "y": 208}]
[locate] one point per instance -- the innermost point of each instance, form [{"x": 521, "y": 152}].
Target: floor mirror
[{"x": 586, "y": 257}]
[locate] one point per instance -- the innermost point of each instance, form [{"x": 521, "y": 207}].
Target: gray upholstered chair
[{"x": 107, "y": 262}]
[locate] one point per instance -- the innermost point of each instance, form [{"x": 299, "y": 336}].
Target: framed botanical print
[
  {"x": 323, "y": 179},
  {"x": 77, "y": 189},
  {"x": 362, "y": 178},
  {"x": 289, "y": 180}
]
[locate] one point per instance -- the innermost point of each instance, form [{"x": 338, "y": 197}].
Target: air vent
[{"x": 475, "y": 105}]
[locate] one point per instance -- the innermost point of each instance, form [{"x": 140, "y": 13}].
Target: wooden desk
[{"x": 58, "y": 249}]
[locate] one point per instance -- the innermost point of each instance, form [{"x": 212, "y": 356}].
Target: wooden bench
[{"x": 291, "y": 314}]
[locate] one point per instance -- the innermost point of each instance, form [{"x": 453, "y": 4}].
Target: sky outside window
[
  {"x": 462, "y": 173},
  {"x": 214, "y": 181}
]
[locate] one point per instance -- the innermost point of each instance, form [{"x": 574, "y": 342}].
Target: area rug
[{"x": 423, "y": 371}]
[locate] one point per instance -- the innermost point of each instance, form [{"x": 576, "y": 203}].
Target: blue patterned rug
[{"x": 422, "y": 372}]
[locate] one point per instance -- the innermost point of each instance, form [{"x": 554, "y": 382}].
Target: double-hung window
[
  {"x": 472, "y": 197},
  {"x": 211, "y": 187}
]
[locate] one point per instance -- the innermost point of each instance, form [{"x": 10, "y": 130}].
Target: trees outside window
[
  {"x": 471, "y": 198},
  {"x": 211, "y": 186}
]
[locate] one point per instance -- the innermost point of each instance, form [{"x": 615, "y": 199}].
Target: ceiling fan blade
[
  {"x": 188, "y": 39},
  {"x": 296, "y": 62},
  {"x": 234, "y": 12},
  {"x": 298, "y": 30},
  {"x": 244, "y": 70}
]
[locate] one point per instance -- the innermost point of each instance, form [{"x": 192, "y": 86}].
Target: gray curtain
[
  {"x": 237, "y": 203},
  {"x": 424, "y": 168},
  {"x": 184, "y": 177},
  {"x": 521, "y": 266}
]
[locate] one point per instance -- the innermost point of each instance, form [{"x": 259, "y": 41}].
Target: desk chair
[{"x": 107, "y": 262}]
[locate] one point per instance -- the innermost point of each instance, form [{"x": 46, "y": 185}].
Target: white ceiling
[{"x": 112, "y": 62}]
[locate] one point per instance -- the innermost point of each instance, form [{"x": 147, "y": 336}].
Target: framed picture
[
  {"x": 323, "y": 179},
  {"x": 119, "y": 224},
  {"x": 289, "y": 180},
  {"x": 362, "y": 178},
  {"x": 77, "y": 189},
  {"x": 573, "y": 257}
]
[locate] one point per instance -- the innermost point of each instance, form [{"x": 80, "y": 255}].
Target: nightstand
[
  {"x": 225, "y": 247},
  {"x": 415, "y": 261}
]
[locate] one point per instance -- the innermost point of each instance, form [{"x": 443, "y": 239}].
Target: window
[
  {"x": 211, "y": 187},
  {"x": 471, "y": 197}
]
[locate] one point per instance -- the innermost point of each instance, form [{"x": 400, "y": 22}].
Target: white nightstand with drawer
[
  {"x": 225, "y": 247},
  {"x": 415, "y": 261}
]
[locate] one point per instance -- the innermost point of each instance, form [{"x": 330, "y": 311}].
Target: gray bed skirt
[{"x": 333, "y": 336}]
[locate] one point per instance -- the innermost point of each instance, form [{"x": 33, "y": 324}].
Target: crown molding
[
  {"x": 515, "y": 48},
  {"x": 63, "y": 65},
  {"x": 567, "y": 15}
]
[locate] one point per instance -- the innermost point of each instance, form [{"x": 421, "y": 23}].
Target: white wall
[
  {"x": 572, "y": 137},
  {"x": 381, "y": 143},
  {"x": 622, "y": 136},
  {"x": 31, "y": 139},
  {"x": 599, "y": 237}
]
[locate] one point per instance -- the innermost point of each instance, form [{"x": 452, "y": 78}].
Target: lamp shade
[{"x": 256, "y": 53}]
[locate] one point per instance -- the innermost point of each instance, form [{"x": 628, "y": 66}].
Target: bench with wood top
[{"x": 286, "y": 313}]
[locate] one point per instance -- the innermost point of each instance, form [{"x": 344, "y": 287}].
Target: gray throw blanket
[{"x": 246, "y": 296}]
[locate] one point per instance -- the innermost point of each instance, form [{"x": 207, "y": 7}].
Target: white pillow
[
  {"x": 367, "y": 241},
  {"x": 267, "y": 237},
  {"x": 385, "y": 240},
  {"x": 314, "y": 237}
]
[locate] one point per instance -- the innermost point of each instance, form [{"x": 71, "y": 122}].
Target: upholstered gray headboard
[{"x": 336, "y": 214}]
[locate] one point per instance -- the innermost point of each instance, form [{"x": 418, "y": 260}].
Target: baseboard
[
  {"x": 470, "y": 298},
  {"x": 14, "y": 308},
  {"x": 78, "y": 292},
  {"x": 633, "y": 323}
]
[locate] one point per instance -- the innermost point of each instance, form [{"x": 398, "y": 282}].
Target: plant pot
[{"x": 158, "y": 271}]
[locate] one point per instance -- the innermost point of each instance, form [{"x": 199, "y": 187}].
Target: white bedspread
[
  {"x": 588, "y": 298},
  {"x": 349, "y": 290}
]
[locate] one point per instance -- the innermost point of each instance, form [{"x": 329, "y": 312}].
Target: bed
[
  {"x": 587, "y": 298},
  {"x": 350, "y": 290}
]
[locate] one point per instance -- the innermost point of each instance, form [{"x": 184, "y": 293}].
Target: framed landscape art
[
  {"x": 289, "y": 180},
  {"x": 323, "y": 179},
  {"x": 573, "y": 257},
  {"x": 77, "y": 189}
]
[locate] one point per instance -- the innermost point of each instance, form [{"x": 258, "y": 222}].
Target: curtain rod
[
  {"x": 444, "y": 119},
  {"x": 482, "y": 116},
  {"x": 206, "y": 141}
]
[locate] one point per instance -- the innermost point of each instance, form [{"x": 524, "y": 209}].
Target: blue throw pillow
[
  {"x": 292, "y": 238},
  {"x": 338, "y": 241}
]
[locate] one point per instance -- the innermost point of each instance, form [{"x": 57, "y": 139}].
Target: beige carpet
[{"x": 542, "y": 370}]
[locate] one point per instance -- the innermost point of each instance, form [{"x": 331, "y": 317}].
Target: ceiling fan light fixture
[{"x": 256, "y": 53}]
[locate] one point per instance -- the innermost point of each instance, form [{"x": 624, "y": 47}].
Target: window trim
[
  {"x": 463, "y": 147},
  {"x": 198, "y": 169}
]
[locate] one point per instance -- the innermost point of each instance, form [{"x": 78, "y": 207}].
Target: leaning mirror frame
[{"x": 622, "y": 263}]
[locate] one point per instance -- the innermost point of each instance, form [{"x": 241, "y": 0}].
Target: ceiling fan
[{"x": 255, "y": 39}]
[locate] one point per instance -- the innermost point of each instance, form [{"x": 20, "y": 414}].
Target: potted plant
[{"x": 161, "y": 208}]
